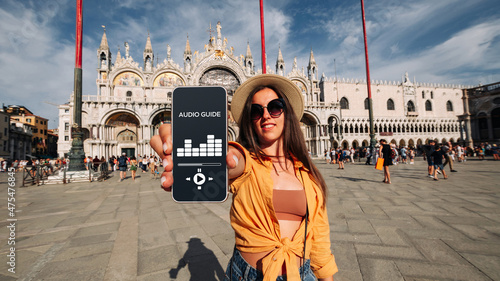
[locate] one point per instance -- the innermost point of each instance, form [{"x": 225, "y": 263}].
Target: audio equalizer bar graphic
[{"x": 212, "y": 148}]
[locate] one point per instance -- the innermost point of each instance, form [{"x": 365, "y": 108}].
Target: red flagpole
[
  {"x": 366, "y": 50},
  {"x": 79, "y": 20},
  {"x": 77, "y": 153},
  {"x": 368, "y": 85},
  {"x": 262, "y": 38}
]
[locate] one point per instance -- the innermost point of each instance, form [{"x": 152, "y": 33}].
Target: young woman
[
  {"x": 386, "y": 153},
  {"x": 133, "y": 166},
  {"x": 340, "y": 158},
  {"x": 279, "y": 196}
]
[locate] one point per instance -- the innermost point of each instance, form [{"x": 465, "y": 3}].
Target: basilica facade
[{"x": 134, "y": 98}]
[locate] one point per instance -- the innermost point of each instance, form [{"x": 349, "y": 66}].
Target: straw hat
[{"x": 287, "y": 87}]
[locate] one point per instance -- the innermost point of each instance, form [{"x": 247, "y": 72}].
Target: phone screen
[{"x": 199, "y": 136}]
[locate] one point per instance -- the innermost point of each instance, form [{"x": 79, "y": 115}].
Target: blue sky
[{"x": 445, "y": 41}]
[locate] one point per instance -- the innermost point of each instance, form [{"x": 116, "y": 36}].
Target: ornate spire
[
  {"x": 311, "y": 58},
  {"x": 249, "y": 53},
  {"x": 104, "y": 41},
  {"x": 187, "y": 51},
  {"x": 312, "y": 68},
  {"x": 149, "y": 48},
  {"x": 118, "y": 56},
  {"x": 280, "y": 56},
  {"x": 280, "y": 63}
]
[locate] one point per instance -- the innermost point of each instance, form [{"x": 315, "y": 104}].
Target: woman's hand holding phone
[{"x": 162, "y": 144}]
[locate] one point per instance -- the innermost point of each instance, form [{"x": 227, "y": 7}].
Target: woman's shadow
[{"x": 201, "y": 261}]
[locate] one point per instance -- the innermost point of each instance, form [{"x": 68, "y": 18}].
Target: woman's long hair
[{"x": 293, "y": 138}]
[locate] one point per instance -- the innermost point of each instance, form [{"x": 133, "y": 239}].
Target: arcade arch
[{"x": 309, "y": 124}]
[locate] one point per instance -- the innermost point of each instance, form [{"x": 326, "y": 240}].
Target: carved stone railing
[{"x": 111, "y": 99}]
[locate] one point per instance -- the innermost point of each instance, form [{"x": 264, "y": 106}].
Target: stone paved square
[{"x": 412, "y": 229}]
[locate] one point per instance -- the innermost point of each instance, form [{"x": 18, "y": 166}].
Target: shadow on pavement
[
  {"x": 354, "y": 179},
  {"x": 201, "y": 261}
]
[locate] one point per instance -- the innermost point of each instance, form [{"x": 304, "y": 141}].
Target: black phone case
[{"x": 199, "y": 135}]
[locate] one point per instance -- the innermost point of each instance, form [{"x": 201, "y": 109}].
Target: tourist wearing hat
[{"x": 279, "y": 196}]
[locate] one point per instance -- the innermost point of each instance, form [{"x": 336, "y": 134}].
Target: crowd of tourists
[
  {"x": 124, "y": 163},
  {"x": 438, "y": 156},
  {"x": 52, "y": 164}
]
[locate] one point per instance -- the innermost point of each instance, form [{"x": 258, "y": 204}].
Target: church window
[
  {"x": 344, "y": 103},
  {"x": 129, "y": 95},
  {"x": 367, "y": 104},
  {"x": 390, "y": 104},
  {"x": 428, "y": 105},
  {"x": 411, "y": 106},
  {"x": 449, "y": 106},
  {"x": 423, "y": 95},
  {"x": 432, "y": 94}
]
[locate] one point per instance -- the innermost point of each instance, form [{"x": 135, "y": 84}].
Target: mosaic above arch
[
  {"x": 168, "y": 79},
  {"x": 301, "y": 86},
  {"x": 128, "y": 79},
  {"x": 220, "y": 77}
]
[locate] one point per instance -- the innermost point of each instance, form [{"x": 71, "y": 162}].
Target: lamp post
[
  {"x": 77, "y": 154},
  {"x": 373, "y": 141}
]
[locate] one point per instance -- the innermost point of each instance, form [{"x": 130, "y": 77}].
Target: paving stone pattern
[{"x": 412, "y": 229}]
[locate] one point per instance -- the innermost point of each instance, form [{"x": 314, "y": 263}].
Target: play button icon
[{"x": 199, "y": 179}]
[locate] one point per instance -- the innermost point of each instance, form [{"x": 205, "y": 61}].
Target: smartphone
[{"x": 199, "y": 136}]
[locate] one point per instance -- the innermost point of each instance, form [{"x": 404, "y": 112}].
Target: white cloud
[
  {"x": 37, "y": 67},
  {"x": 37, "y": 54},
  {"x": 401, "y": 37}
]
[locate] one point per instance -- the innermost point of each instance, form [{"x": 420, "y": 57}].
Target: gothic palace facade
[{"x": 133, "y": 99}]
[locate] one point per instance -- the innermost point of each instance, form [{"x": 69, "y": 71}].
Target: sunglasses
[{"x": 274, "y": 107}]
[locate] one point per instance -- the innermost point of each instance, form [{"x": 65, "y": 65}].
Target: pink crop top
[{"x": 289, "y": 204}]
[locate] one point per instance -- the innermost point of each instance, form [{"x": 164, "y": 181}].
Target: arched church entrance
[{"x": 124, "y": 128}]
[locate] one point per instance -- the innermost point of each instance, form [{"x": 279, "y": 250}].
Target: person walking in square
[
  {"x": 341, "y": 158},
  {"x": 428, "y": 150},
  {"x": 133, "y": 166},
  {"x": 447, "y": 150},
  {"x": 122, "y": 166},
  {"x": 385, "y": 152},
  {"x": 437, "y": 158}
]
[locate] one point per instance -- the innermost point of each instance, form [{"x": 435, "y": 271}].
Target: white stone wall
[{"x": 324, "y": 123}]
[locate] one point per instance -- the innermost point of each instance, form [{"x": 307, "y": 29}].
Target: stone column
[{"x": 468, "y": 136}]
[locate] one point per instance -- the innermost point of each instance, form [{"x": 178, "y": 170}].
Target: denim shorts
[{"x": 239, "y": 270}]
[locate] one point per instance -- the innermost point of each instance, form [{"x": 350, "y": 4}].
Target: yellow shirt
[{"x": 257, "y": 229}]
